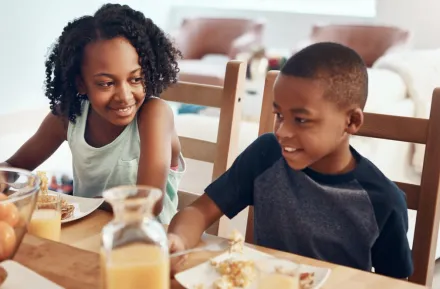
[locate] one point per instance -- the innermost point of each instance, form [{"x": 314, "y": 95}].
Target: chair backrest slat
[
  {"x": 194, "y": 93},
  {"x": 406, "y": 129},
  {"x": 197, "y": 149}
]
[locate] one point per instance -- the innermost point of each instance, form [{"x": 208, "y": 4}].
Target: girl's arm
[
  {"x": 160, "y": 146},
  {"x": 48, "y": 138}
]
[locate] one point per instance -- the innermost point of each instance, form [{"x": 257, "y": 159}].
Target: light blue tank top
[{"x": 115, "y": 164}]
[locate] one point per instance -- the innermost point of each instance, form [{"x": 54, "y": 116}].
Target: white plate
[
  {"x": 205, "y": 274},
  {"x": 83, "y": 206},
  {"x": 20, "y": 277}
]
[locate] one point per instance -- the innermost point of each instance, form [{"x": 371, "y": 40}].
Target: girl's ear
[
  {"x": 355, "y": 119},
  {"x": 80, "y": 86}
]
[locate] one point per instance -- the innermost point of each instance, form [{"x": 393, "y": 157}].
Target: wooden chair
[
  {"x": 227, "y": 98},
  {"x": 424, "y": 197}
]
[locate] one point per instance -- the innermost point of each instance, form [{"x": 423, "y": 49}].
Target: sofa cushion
[{"x": 202, "y": 71}]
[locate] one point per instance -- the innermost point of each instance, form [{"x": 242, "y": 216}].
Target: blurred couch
[
  {"x": 208, "y": 43},
  {"x": 369, "y": 41}
]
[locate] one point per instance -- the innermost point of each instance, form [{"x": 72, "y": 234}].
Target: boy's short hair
[{"x": 340, "y": 66}]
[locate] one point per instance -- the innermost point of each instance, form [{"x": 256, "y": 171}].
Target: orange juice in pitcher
[
  {"x": 137, "y": 266},
  {"x": 134, "y": 251}
]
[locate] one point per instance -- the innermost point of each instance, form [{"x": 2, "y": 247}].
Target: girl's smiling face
[{"x": 111, "y": 77}]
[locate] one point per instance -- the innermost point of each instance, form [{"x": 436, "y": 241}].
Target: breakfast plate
[
  {"x": 82, "y": 206},
  {"x": 204, "y": 275}
]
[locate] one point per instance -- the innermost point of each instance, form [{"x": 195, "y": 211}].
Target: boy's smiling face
[{"x": 310, "y": 128}]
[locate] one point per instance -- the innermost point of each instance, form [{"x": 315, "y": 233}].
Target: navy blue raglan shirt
[{"x": 358, "y": 219}]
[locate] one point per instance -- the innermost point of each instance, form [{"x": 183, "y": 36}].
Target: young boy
[{"x": 313, "y": 194}]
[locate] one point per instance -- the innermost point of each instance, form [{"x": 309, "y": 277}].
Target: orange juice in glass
[
  {"x": 46, "y": 218},
  {"x": 134, "y": 250}
]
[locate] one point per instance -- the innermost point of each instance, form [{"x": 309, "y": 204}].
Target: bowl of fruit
[{"x": 18, "y": 195}]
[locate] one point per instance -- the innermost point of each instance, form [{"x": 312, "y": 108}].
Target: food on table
[
  {"x": 306, "y": 279},
  {"x": 241, "y": 273},
  {"x": 3, "y": 275},
  {"x": 44, "y": 185},
  {"x": 66, "y": 208},
  {"x": 276, "y": 280},
  {"x": 223, "y": 283},
  {"x": 8, "y": 212},
  {"x": 7, "y": 240},
  {"x": 236, "y": 242},
  {"x": 234, "y": 273}
]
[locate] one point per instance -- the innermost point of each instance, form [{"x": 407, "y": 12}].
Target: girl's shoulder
[
  {"x": 155, "y": 119},
  {"x": 155, "y": 108},
  {"x": 60, "y": 118}
]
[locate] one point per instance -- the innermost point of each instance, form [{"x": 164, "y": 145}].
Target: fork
[
  {"x": 16, "y": 186},
  {"x": 19, "y": 187},
  {"x": 216, "y": 247}
]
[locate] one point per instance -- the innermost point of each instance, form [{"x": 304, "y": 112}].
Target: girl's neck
[{"x": 99, "y": 132}]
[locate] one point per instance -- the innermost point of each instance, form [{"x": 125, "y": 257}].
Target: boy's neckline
[{"x": 336, "y": 178}]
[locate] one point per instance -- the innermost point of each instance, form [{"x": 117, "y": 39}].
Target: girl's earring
[{"x": 81, "y": 96}]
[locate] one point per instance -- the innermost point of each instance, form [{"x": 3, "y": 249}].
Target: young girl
[{"x": 103, "y": 77}]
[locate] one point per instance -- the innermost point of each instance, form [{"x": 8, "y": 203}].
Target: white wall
[
  {"x": 419, "y": 16},
  {"x": 27, "y": 30}
]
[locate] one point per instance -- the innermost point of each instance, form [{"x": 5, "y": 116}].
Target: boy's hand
[{"x": 176, "y": 244}]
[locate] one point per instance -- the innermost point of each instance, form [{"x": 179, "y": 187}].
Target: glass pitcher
[{"x": 134, "y": 248}]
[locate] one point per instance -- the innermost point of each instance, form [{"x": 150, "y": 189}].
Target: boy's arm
[
  {"x": 229, "y": 194},
  {"x": 190, "y": 223},
  {"x": 48, "y": 138}
]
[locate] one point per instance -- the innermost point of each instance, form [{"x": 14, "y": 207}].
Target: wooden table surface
[{"x": 77, "y": 266}]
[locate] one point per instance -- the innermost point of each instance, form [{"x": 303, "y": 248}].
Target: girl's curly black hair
[{"x": 157, "y": 56}]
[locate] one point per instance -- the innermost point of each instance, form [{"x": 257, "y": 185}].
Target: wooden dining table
[{"x": 74, "y": 262}]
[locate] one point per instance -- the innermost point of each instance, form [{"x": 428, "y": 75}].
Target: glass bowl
[{"x": 18, "y": 195}]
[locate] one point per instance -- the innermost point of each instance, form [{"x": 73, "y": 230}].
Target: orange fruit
[
  {"x": 7, "y": 240},
  {"x": 8, "y": 212}
]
